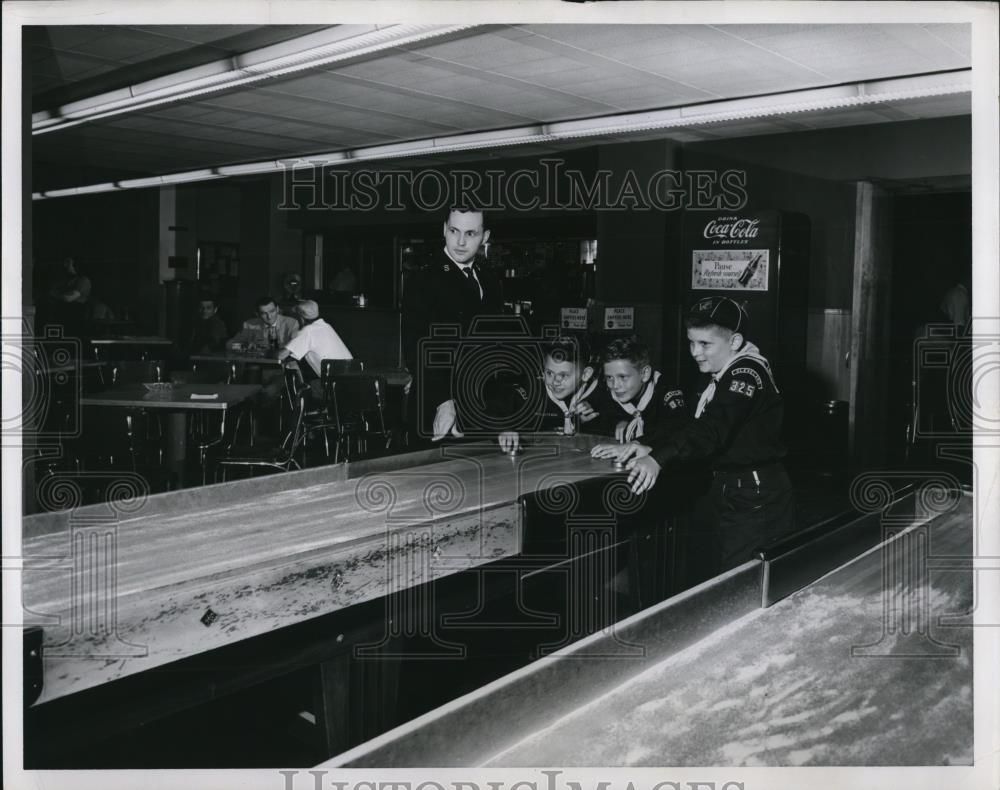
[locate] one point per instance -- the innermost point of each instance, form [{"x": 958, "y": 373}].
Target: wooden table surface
[
  {"x": 870, "y": 665},
  {"x": 177, "y": 398},
  {"x": 131, "y": 340},
  {"x": 233, "y": 356},
  {"x": 182, "y": 575}
]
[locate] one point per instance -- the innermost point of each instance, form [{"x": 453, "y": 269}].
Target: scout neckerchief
[
  {"x": 749, "y": 351},
  {"x": 581, "y": 394},
  {"x": 634, "y": 429}
]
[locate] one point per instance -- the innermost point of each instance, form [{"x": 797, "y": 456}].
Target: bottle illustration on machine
[{"x": 750, "y": 270}]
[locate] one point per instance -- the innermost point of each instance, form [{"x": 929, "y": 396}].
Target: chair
[
  {"x": 112, "y": 438},
  {"x": 125, "y": 374},
  {"x": 334, "y": 367},
  {"x": 206, "y": 430},
  {"x": 131, "y": 374},
  {"x": 281, "y": 456},
  {"x": 216, "y": 371},
  {"x": 356, "y": 405},
  {"x": 319, "y": 417}
]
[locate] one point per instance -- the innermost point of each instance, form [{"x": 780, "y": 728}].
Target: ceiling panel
[
  {"x": 131, "y": 54},
  {"x": 488, "y": 78}
]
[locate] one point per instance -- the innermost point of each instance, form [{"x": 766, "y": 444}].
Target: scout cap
[
  {"x": 721, "y": 311},
  {"x": 308, "y": 309}
]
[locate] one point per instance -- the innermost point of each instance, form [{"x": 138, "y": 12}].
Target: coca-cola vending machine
[{"x": 761, "y": 260}]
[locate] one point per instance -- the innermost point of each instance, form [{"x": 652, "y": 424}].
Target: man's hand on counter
[{"x": 445, "y": 420}]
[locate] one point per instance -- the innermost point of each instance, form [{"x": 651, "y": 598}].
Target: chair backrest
[
  {"x": 295, "y": 391},
  {"x": 336, "y": 367},
  {"x": 126, "y": 373},
  {"x": 217, "y": 371},
  {"x": 356, "y": 394}
]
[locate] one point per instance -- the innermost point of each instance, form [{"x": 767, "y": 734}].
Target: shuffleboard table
[
  {"x": 150, "y": 604},
  {"x": 849, "y": 646}
]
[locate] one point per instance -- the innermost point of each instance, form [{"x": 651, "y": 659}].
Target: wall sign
[
  {"x": 619, "y": 317},
  {"x": 573, "y": 318},
  {"x": 729, "y": 270}
]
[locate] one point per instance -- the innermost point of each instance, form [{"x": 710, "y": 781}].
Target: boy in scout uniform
[
  {"x": 636, "y": 398},
  {"x": 563, "y": 404},
  {"x": 736, "y": 429}
]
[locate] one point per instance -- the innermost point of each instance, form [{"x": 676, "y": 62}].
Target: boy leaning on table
[
  {"x": 636, "y": 401},
  {"x": 736, "y": 429},
  {"x": 562, "y": 406}
]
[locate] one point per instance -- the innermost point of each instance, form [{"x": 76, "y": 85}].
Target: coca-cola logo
[{"x": 732, "y": 228}]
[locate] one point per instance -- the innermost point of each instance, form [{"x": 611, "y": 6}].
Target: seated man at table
[
  {"x": 313, "y": 343},
  {"x": 269, "y": 329},
  {"x": 210, "y": 332}
]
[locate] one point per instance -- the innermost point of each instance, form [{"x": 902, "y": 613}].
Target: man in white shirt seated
[{"x": 314, "y": 342}]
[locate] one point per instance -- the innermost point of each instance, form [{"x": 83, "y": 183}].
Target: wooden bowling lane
[
  {"x": 821, "y": 678},
  {"x": 121, "y": 597},
  {"x": 837, "y": 674},
  {"x": 166, "y": 547}
]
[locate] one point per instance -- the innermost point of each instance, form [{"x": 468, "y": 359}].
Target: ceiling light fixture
[
  {"x": 322, "y": 48},
  {"x": 771, "y": 106}
]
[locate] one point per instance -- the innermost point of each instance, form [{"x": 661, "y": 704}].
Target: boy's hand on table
[
  {"x": 509, "y": 440},
  {"x": 621, "y": 452},
  {"x": 642, "y": 473},
  {"x": 605, "y": 450},
  {"x": 620, "y": 429}
]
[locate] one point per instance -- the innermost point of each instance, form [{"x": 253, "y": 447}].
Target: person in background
[
  {"x": 98, "y": 310},
  {"x": 313, "y": 343},
  {"x": 210, "y": 332},
  {"x": 344, "y": 283},
  {"x": 269, "y": 329},
  {"x": 956, "y": 304},
  {"x": 736, "y": 428},
  {"x": 563, "y": 405},
  {"x": 69, "y": 286},
  {"x": 453, "y": 291},
  {"x": 636, "y": 397}
]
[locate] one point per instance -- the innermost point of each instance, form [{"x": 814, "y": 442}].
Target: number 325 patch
[{"x": 743, "y": 388}]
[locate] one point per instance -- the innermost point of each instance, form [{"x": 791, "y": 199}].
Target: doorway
[{"x": 932, "y": 253}]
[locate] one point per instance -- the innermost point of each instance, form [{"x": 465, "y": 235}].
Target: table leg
[{"x": 175, "y": 450}]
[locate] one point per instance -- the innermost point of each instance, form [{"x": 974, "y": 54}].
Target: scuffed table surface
[
  {"x": 780, "y": 686},
  {"x": 185, "y": 582}
]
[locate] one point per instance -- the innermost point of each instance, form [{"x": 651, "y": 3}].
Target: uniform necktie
[
  {"x": 581, "y": 394},
  {"x": 470, "y": 275},
  {"x": 634, "y": 429},
  {"x": 705, "y": 398}
]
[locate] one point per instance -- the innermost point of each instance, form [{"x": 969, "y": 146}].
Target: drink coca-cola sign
[{"x": 733, "y": 228}]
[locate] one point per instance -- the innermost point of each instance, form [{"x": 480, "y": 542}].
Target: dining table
[
  {"x": 177, "y": 402},
  {"x": 394, "y": 376},
  {"x": 104, "y": 347}
]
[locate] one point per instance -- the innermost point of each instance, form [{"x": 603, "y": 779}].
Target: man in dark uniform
[
  {"x": 736, "y": 429},
  {"x": 453, "y": 291}
]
